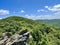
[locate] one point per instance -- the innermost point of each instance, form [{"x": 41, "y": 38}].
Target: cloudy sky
[{"x": 33, "y": 9}]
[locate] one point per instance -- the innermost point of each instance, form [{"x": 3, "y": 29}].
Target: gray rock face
[{"x": 16, "y": 39}]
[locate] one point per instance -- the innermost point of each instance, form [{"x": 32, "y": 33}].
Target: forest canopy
[{"x": 42, "y": 34}]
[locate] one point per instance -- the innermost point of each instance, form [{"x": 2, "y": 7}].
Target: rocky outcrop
[{"x": 16, "y": 39}]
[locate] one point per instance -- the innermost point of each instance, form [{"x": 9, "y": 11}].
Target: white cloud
[
  {"x": 40, "y": 10},
  {"x": 56, "y": 10},
  {"x": 55, "y": 14},
  {"x": 4, "y": 12},
  {"x": 26, "y": 15},
  {"x": 0, "y": 18},
  {"x": 53, "y": 8},
  {"x": 35, "y": 17},
  {"x": 46, "y": 7},
  {"x": 22, "y": 11}
]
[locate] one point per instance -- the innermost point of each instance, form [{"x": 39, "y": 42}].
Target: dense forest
[{"x": 42, "y": 34}]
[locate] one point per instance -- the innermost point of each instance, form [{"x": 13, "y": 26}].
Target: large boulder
[{"x": 16, "y": 39}]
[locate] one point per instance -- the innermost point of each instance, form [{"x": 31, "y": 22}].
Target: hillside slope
[{"x": 41, "y": 33}]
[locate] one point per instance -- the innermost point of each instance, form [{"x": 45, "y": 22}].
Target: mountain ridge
[{"x": 42, "y": 34}]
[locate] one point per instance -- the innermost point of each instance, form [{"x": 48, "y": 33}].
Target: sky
[{"x": 32, "y": 9}]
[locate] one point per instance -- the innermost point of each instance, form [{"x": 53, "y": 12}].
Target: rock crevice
[{"x": 16, "y": 39}]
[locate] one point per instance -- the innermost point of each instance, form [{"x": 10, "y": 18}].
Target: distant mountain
[
  {"x": 54, "y": 22},
  {"x": 41, "y": 33}
]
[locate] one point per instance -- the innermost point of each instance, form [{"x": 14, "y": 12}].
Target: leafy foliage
[{"x": 42, "y": 34}]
